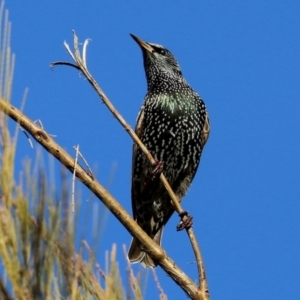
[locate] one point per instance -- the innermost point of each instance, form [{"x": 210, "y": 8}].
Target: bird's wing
[
  {"x": 138, "y": 131},
  {"x": 205, "y": 130}
]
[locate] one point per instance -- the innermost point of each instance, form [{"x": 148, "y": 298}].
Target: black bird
[{"x": 173, "y": 124}]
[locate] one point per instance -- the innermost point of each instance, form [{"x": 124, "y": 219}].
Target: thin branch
[
  {"x": 58, "y": 63},
  {"x": 22, "y": 108},
  {"x": 69, "y": 50},
  {"x": 82, "y": 67},
  {"x": 39, "y": 123},
  {"x": 73, "y": 179},
  {"x": 27, "y": 135},
  {"x": 84, "y": 50},
  {"x": 85, "y": 161},
  {"x": 76, "y": 49}
]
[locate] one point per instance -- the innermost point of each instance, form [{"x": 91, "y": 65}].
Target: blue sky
[{"x": 243, "y": 58}]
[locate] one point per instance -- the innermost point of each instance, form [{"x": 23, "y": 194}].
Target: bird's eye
[{"x": 161, "y": 51}]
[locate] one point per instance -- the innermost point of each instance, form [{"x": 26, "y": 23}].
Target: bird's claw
[
  {"x": 157, "y": 170},
  {"x": 185, "y": 224},
  {"x": 155, "y": 173}
]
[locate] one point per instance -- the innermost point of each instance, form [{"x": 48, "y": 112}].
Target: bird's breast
[{"x": 172, "y": 133}]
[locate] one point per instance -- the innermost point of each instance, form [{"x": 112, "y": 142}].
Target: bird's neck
[{"x": 165, "y": 82}]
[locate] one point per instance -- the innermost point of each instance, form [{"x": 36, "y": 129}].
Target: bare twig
[
  {"x": 85, "y": 161},
  {"x": 39, "y": 123},
  {"x": 84, "y": 48},
  {"x": 81, "y": 65},
  {"x": 57, "y": 63},
  {"x": 22, "y": 108},
  {"x": 27, "y": 135},
  {"x": 74, "y": 178}
]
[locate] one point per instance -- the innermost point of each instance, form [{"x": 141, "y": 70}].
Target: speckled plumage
[{"x": 173, "y": 124}]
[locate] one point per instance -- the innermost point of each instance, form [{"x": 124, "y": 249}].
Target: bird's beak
[{"x": 142, "y": 44}]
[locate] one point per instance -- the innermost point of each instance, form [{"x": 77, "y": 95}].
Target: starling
[{"x": 173, "y": 124}]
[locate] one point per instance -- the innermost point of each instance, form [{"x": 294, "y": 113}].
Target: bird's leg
[
  {"x": 155, "y": 173},
  {"x": 185, "y": 224}
]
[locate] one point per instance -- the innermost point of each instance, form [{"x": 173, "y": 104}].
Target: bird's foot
[
  {"x": 157, "y": 170},
  {"x": 155, "y": 173},
  {"x": 185, "y": 224}
]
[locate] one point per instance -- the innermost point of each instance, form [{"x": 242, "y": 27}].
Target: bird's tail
[{"x": 136, "y": 254}]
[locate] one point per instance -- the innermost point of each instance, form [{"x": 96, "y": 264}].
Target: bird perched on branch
[{"x": 173, "y": 124}]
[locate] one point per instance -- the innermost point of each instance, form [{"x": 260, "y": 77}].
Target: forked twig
[
  {"x": 89, "y": 170},
  {"x": 81, "y": 65}
]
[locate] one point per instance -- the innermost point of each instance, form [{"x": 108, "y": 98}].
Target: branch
[
  {"x": 81, "y": 65},
  {"x": 166, "y": 263}
]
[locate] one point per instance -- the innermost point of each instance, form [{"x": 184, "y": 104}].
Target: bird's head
[{"x": 159, "y": 62}]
